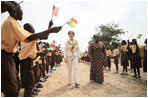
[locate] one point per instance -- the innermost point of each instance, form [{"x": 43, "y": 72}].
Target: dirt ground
[{"x": 114, "y": 85}]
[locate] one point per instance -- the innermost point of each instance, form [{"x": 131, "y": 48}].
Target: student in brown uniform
[
  {"x": 124, "y": 58},
  {"x": 145, "y": 57},
  {"x": 108, "y": 54},
  {"x": 129, "y": 54},
  {"x": 11, "y": 34},
  {"x": 116, "y": 55},
  {"x": 136, "y": 59},
  {"x": 26, "y": 56}
]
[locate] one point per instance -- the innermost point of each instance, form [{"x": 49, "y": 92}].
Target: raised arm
[{"x": 42, "y": 34}]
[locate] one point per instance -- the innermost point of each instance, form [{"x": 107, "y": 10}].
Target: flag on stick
[
  {"x": 55, "y": 10},
  {"x": 131, "y": 35},
  {"x": 139, "y": 35},
  {"x": 54, "y": 42},
  {"x": 72, "y": 22}
]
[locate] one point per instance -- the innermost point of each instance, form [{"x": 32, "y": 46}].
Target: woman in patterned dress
[{"x": 98, "y": 59}]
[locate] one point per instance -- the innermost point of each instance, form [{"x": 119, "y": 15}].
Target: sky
[{"x": 130, "y": 15}]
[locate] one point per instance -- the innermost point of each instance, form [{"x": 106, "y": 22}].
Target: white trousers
[{"x": 72, "y": 62}]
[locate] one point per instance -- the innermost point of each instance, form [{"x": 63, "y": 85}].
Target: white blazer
[{"x": 67, "y": 51}]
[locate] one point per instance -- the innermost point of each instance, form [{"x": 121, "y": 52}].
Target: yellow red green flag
[{"x": 72, "y": 22}]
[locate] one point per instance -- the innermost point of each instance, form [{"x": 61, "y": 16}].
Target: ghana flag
[
  {"x": 139, "y": 35},
  {"x": 72, "y": 22}
]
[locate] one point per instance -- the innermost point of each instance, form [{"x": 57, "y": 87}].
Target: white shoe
[
  {"x": 54, "y": 68},
  {"x": 49, "y": 75}
]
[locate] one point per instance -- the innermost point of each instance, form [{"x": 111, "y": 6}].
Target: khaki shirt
[
  {"x": 108, "y": 52},
  {"x": 11, "y": 34},
  {"x": 115, "y": 52},
  {"x": 49, "y": 54},
  {"x": 28, "y": 50}
]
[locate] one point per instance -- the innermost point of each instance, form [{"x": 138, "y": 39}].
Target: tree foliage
[{"x": 108, "y": 33}]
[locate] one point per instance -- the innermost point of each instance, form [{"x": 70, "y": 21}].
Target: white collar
[{"x": 71, "y": 41}]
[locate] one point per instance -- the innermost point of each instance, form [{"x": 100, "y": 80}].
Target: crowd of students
[
  {"x": 129, "y": 54},
  {"x": 41, "y": 68}
]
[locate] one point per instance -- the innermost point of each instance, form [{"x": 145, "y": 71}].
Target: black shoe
[
  {"x": 126, "y": 74},
  {"x": 138, "y": 76},
  {"x": 134, "y": 76},
  {"x": 42, "y": 80},
  {"x": 34, "y": 93},
  {"x": 45, "y": 77},
  {"x": 122, "y": 74},
  {"x": 39, "y": 85},
  {"x": 37, "y": 90},
  {"x": 101, "y": 83},
  {"x": 77, "y": 85}
]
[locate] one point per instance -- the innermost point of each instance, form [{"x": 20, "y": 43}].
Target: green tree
[{"x": 108, "y": 33}]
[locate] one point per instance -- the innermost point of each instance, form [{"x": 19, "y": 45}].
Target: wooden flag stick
[
  {"x": 130, "y": 36},
  {"x": 52, "y": 12},
  {"x": 20, "y": 2}
]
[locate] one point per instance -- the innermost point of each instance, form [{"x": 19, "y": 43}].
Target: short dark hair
[
  {"x": 29, "y": 28},
  {"x": 71, "y": 32},
  {"x": 115, "y": 45},
  {"x": 94, "y": 36},
  {"x": 134, "y": 41},
  {"x": 123, "y": 42}
]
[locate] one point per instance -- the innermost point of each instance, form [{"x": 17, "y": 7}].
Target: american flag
[
  {"x": 54, "y": 42},
  {"x": 55, "y": 10}
]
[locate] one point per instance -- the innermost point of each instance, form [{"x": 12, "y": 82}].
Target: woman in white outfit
[{"x": 72, "y": 57}]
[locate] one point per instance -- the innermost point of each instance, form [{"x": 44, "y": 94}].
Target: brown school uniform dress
[
  {"x": 26, "y": 56},
  {"x": 108, "y": 54},
  {"x": 36, "y": 69},
  {"x": 48, "y": 62},
  {"x": 11, "y": 34},
  {"x": 124, "y": 57},
  {"x": 136, "y": 57},
  {"x": 145, "y": 60},
  {"x": 144, "y": 48},
  {"x": 115, "y": 54},
  {"x": 43, "y": 65}
]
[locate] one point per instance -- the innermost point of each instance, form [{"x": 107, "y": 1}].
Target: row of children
[
  {"x": 129, "y": 52},
  {"x": 11, "y": 34},
  {"x": 36, "y": 70}
]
